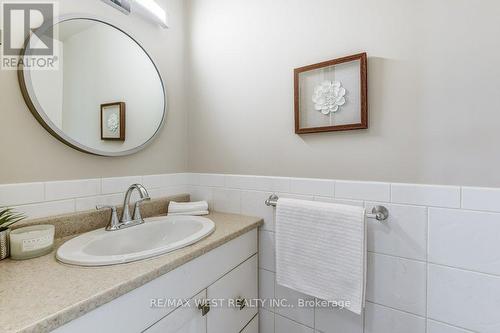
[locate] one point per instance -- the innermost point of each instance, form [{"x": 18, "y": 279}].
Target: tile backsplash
[
  {"x": 62, "y": 197},
  {"x": 433, "y": 267}
]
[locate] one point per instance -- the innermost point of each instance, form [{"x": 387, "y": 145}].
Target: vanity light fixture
[
  {"x": 122, "y": 5},
  {"x": 148, "y": 8}
]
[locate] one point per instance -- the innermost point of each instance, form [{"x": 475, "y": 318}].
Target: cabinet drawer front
[
  {"x": 253, "y": 326},
  {"x": 182, "y": 282},
  {"x": 240, "y": 283},
  {"x": 185, "y": 319}
]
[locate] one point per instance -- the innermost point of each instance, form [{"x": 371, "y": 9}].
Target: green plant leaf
[
  {"x": 5, "y": 211},
  {"x": 9, "y": 216}
]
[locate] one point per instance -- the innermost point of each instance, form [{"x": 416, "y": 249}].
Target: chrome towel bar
[{"x": 379, "y": 213}]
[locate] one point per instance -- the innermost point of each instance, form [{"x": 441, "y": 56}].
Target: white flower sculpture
[
  {"x": 328, "y": 97},
  {"x": 113, "y": 123}
]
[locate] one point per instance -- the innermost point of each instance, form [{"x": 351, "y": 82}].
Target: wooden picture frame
[
  {"x": 110, "y": 130},
  {"x": 361, "y": 120}
]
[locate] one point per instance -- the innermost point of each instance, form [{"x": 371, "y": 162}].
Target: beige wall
[
  {"x": 29, "y": 153},
  {"x": 433, "y": 87}
]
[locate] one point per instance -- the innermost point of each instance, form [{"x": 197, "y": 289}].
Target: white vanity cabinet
[
  {"x": 253, "y": 326},
  {"x": 185, "y": 319},
  {"x": 226, "y": 302},
  {"x": 240, "y": 284},
  {"x": 227, "y": 272}
]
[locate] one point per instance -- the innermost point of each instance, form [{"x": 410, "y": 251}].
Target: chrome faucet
[
  {"x": 144, "y": 196},
  {"x": 126, "y": 221}
]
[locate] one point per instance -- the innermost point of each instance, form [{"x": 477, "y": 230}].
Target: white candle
[{"x": 31, "y": 242}]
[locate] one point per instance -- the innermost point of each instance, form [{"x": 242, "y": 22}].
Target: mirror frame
[{"x": 40, "y": 115}]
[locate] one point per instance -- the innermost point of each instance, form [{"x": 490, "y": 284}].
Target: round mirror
[{"x": 103, "y": 96}]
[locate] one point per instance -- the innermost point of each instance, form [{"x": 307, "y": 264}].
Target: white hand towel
[
  {"x": 321, "y": 250},
  {"x": 193, "y": 213},
  {"x": 187, "y": 208}
]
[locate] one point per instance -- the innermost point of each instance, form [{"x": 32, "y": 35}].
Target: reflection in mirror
[{"x": 106, "y": 97}]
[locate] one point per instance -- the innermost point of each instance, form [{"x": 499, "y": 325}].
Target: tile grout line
[
  {"x": 293, "y": 320},
  {"x": 453, "y": 325},
  {"x": 398, "y": 310},
  {"x": 465, "y": 270},
  {"x": 398, "y": 257},
  {"x": 461, "y": 197},
  {"x": 427, "y": 272}
]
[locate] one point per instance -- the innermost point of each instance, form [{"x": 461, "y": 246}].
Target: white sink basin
[{"x": 157, "y": 236}]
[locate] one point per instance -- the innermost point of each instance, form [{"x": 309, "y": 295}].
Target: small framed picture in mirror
[
  {"x": 113, "y": 121},
  {"x": 332, "y": 95}
]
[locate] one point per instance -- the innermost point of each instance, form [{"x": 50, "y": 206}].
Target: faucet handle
[
  {"x": 137, "y": 208},
  {"x": 114, "y": 222}
]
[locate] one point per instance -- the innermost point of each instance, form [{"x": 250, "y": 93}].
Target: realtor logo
[{"x": 29, "y": 26}]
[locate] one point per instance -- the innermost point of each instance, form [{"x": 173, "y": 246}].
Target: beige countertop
[{"x": 41, "y": 294}]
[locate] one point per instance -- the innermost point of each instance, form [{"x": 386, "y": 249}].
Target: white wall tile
[
  {"x": 458, "y": 300},
  {"x": 358, "y": 203},
  {"x": 295, "y": 196},
  {"x": 181, "y": 178},
  {"x": 227, "y": 201},
  {"x": 464, "y": 299},
  {"x": 215, "y": 180},
  {"x": 193, "y": 178},
  {"x": 164, "y": 180},
  {"x": 373, "y": 191},
  {"x": 165, "y": 192},
  {"x": 266, "y": 288},
  {"x": 465, "y": 239},
  {"x": 302, "y": 315},
  {"x": 266, "y": 251},
  {"x": 240, "y": 182},
  {"x": 379, "y": 319},
  {"x": 154, "y": 193},
  {"x": 404, "y": 234},
  {"x": 72, "y": 189},
  {"x": 477, "y": 198},
  {"x": 266, "y": 321},
  {"x": 201, "y": 193},
  {"x": 119, "y": 184},
  {"x": 45, "y": 209},
  {"x": 426, "y": 195},
  {"x": 309, "y": 186},
  {"x": 397, "y": 283},
  {"x": 285, "y": 325},
  {"x": 256, "y": 183},
  {"x": 253, "y": 204},
  {"x": 23, "y": 193},
  {"x": 90, "y": 203},
  {"x": 436, "y": 327},
  {"x": 334, "y": 320},
  {"x": 280, "y": 184}
]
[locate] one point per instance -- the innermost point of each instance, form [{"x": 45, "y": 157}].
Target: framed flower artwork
[
  {"x": 113, "y": 121},
  {"x": 332, "y": 95}
]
